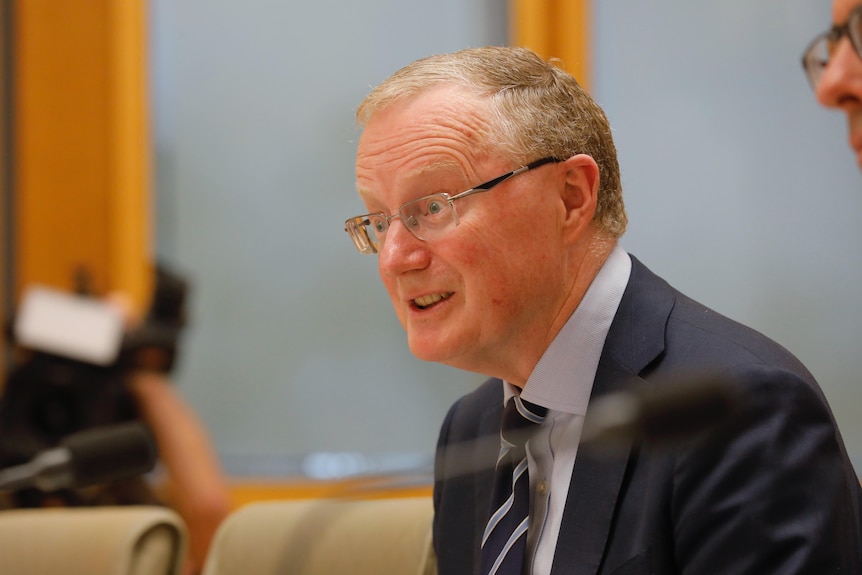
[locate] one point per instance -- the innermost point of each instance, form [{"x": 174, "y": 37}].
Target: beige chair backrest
[
  {"x": 326, "y": 537},
  {"x": 133, "y": 540}
]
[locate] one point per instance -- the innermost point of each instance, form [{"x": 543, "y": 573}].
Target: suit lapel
[
  {"x": 485, "y": 454},
  {"x": 593, "y": 494},
  {"x": 635, "y": 339}
]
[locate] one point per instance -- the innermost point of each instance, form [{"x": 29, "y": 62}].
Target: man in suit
[
  {"x": 521, "y": 278},
  {"x": 833, "y": 63}
]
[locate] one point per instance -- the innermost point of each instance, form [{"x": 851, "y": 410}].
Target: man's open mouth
[{"x": 427, "y": 301}]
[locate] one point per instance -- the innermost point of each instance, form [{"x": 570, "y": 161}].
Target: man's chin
[
  {"x": 428, "y": 348},
  {"x": 426, "y": 352}
]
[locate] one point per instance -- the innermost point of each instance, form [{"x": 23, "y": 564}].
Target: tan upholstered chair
[
  {"x": 326, "y": 537},
  {"x": 134, "y": 540}
]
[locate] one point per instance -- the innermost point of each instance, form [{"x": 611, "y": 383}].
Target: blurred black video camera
[{"x": 73, "y": 359}]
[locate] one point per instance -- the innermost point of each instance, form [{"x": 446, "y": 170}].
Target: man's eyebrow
[
  {"x": 434, "y": 167},
  {"x": 440, "y": 165},
  {"x": 363, "y": 193}
]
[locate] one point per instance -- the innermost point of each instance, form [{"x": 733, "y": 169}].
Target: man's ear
[{"x": 580, "y": 193}]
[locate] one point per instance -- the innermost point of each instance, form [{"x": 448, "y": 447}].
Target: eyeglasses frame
[
  {"x": 369, "y": 247},
  {"x": 834, "y": 34}
]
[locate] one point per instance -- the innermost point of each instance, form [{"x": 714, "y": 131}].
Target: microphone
[
  {"x": 661, "y": 416},
  {"x": 89, "y": 457},
  {"x": 677, "y": 410}
]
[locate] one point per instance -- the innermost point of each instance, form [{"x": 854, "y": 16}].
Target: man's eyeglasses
[
  {"x": 818, "y": 54},
  {"x": 427, "y": 218}
]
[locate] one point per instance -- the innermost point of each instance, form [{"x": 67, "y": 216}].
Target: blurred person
[
  {"x": 193, "y": 484},
  {"x": 192, "y": 481},
  {"x": 188, "y": 478},
  {"x": 521, "y": 278},
  {"x": 833, "y": 63}
]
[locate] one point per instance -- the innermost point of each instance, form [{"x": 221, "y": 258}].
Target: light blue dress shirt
[{"x": 562, "y": 382}]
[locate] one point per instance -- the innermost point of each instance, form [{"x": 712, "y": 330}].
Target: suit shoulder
[
  {"x": 698, "y": 330},
  {"x": 465, "y": 415},
  {"x": 488, "y": 394}
]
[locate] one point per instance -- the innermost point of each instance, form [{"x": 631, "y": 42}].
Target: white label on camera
[{"x": 73, "y": 326}]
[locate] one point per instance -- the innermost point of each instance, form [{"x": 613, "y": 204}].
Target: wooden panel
[
  {"x": 82, "y": 165},
  {"x": 555, "y": 29},
  {"x": 4, "y": 179},
  {"x": 244, "y": 491}
]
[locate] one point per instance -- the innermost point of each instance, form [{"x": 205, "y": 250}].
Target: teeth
[{"x": 427, "y": 300}]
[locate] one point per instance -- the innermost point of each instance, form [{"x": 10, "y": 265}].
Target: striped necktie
[{"x": 505, "y": 539}]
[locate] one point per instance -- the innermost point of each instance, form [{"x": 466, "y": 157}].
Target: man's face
[
  {"x": 841, "y": 84},
  {"x": 484, "y": 295}
]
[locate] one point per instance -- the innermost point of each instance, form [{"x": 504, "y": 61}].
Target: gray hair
[{"x": 536, "y": 110}]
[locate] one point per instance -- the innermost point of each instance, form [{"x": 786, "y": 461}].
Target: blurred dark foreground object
[
  {"x": 680, "y": 410},
  {"x": 94, "y": 456},
  {"x": 52, "y": 392}
]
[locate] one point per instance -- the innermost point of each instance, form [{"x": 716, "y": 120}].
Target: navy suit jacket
[{"x": 773, "y": 494}]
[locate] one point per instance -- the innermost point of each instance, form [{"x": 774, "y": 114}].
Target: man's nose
[
  {"x": 401, "y": 251},
  {"x": 844, "y": 68}
]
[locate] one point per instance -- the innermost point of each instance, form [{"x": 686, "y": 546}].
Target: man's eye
[{"x": 435, "y": 207}]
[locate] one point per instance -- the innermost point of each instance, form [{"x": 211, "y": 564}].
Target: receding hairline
[
  {"x": 463, "y": 109},
  {"x": 375, "y": 103}
]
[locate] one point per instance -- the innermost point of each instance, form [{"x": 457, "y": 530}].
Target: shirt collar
[{"x": 563, "y": 378}]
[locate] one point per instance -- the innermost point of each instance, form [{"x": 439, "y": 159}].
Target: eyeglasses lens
[
  {"x": 820, "y": 51},
  {"x": 429, "y": 215}
]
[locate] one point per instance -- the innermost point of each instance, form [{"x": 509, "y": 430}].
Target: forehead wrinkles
[
  {"x": 415, "y": 156},
  {"x": 418, "y": 129},
  {"x": 412, "y": 164}
]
